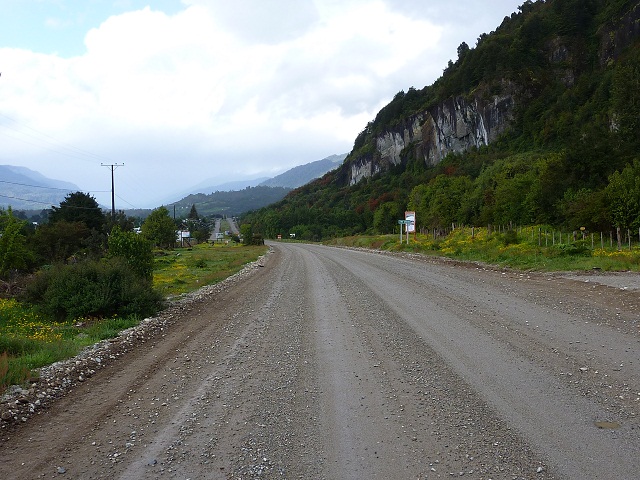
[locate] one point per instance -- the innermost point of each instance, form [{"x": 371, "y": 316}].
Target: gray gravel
[{"x": 330, "y": 363}]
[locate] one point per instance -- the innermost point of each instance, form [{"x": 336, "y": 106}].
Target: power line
[
  {"x": 75, "y": 207},
  {"x": 48, "y": 142},
  {"x": 35, "y": 186},
  {"x": 132, "y": 206},
  {"x": 53, "y": 144},
  {"x": 25, "y": 199}
]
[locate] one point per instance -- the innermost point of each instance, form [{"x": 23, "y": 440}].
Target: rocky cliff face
[
  {"x": 617, "y": 36},
  {"x": 460, "y": 123},
  {"x": 452, "y": 126}
]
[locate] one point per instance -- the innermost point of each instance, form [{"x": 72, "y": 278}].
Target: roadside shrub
[
  {"x": 510, "y": 237},
  {"x": 92, "y": 289},
  {"x": 256, "y": 239},
  {"x": 579, "y": 248},
  {"x": 200, "y": 263},
  {"x": 134, "y": 249}
]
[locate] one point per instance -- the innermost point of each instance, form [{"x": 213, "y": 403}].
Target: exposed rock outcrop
[
  {"x": 615, "y": 38},
  {"x": 460, "y": 123},
  {"x": 452, "y": 126}
]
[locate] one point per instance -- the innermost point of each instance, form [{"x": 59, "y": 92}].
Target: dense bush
[
  {"x": 134, "y": 249},
  {"x": 159, "y": 228},
  {"x": 13, "y": 252},
  {"x": 92, "y": 289},
  {"x": 580, "y": 248},
  {"x": 510, "y": 237}
]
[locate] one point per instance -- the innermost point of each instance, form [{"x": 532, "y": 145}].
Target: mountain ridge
[
  {"x": 529, "y": 126},
  {"x": 26, "y": 189},
  {"x": 253, "y": 197},
  {"x": 302, "y": 174}
]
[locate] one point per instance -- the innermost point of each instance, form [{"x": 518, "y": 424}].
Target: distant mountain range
[
  {"x": 26, "y": 189},
  {"x": 303, "y": 174},
  {"x": 228, "y": 199},
  {"x": 293, "y": 178}
]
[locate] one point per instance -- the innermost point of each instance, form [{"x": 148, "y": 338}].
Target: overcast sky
[{"x": 189, "y": 91}]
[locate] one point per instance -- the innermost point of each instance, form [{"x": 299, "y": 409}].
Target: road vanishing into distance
[{"x": 329, "y": 363}]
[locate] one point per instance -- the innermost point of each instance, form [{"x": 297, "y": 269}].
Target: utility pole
[{"x": 112, "y": 166}]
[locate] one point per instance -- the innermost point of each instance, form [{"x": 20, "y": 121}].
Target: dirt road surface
[{"x": 328, "y": 363}]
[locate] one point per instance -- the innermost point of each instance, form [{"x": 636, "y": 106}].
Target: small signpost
[{"x": 410, "y": 222}]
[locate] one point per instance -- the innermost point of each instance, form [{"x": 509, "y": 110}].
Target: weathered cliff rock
[
  {"x": 615, "y": 38},
  {"x": 452, "y": 126}
]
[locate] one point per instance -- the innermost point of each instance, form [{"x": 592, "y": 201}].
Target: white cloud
[
  {"x": 219, "y": 89},
  {"x": 56, "y": 23}
]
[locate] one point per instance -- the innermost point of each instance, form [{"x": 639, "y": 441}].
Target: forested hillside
[
  {"x": 230, "y": 203},
  {"x": 538, "y": 123}
]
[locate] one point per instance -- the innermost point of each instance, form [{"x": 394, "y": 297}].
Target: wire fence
[{"x": 546, "y": 236}]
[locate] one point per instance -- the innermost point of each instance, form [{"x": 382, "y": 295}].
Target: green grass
[
  {"x": 526, "y": 249},
  {"x": 29, "y": 340},
  {"x": 186, "y": 269}
]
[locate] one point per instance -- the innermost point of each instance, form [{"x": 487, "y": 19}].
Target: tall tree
[
  {"x": 14, "y": 255},
  {"x": 193, "y": 213},
  {"x": 159, "y": 228},
  {"x": 134, "y": 249},
  {"x": 59, "y": 241},
  {"x": 79, "y": 207},
  {"x": 623, "y": 197}
]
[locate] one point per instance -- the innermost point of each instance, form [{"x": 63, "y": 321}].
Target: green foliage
[
  {"x": 386, "y": 216},
  {"x": 201, "y": 232},
  {"x": 246, "y": 232},
  {"x": 134, "y": 249},
  {"x": 510, "y": 237},
  {"x": 231, "y": 203},
  {"x": 159, "y": 228},
  {"x": 623, "y": 197},
  {"x": 121, "y": 220},
  {"x": 248, "y": 236},
  {"x": 576, "y": 122},
  {"x": 584, "y": 208},
  {"x": 199, "y": 228},
  {"x": 75, "y": 228},
  {"x": 59, "y": 241},
  {"x": 30, "y": 340},
  {"x": 79, "y": 207},
  {"x": 522, "y": 250},
  {"x": 14, "y": 255},
  {"x": 578, "y": 248},
  {"x": 438, "y": 203},
  {"x": 625, "y": 96},
  {"x": 92, "y": 289},
  {"x": 185, "y": 270}
]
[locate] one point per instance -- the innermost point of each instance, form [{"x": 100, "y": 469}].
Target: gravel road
[{"x": 327, "y": 363}]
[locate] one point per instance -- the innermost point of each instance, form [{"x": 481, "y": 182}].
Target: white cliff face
[
  {"x": 453, "y": 126},
  {"x": 392, "y": 143}
]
